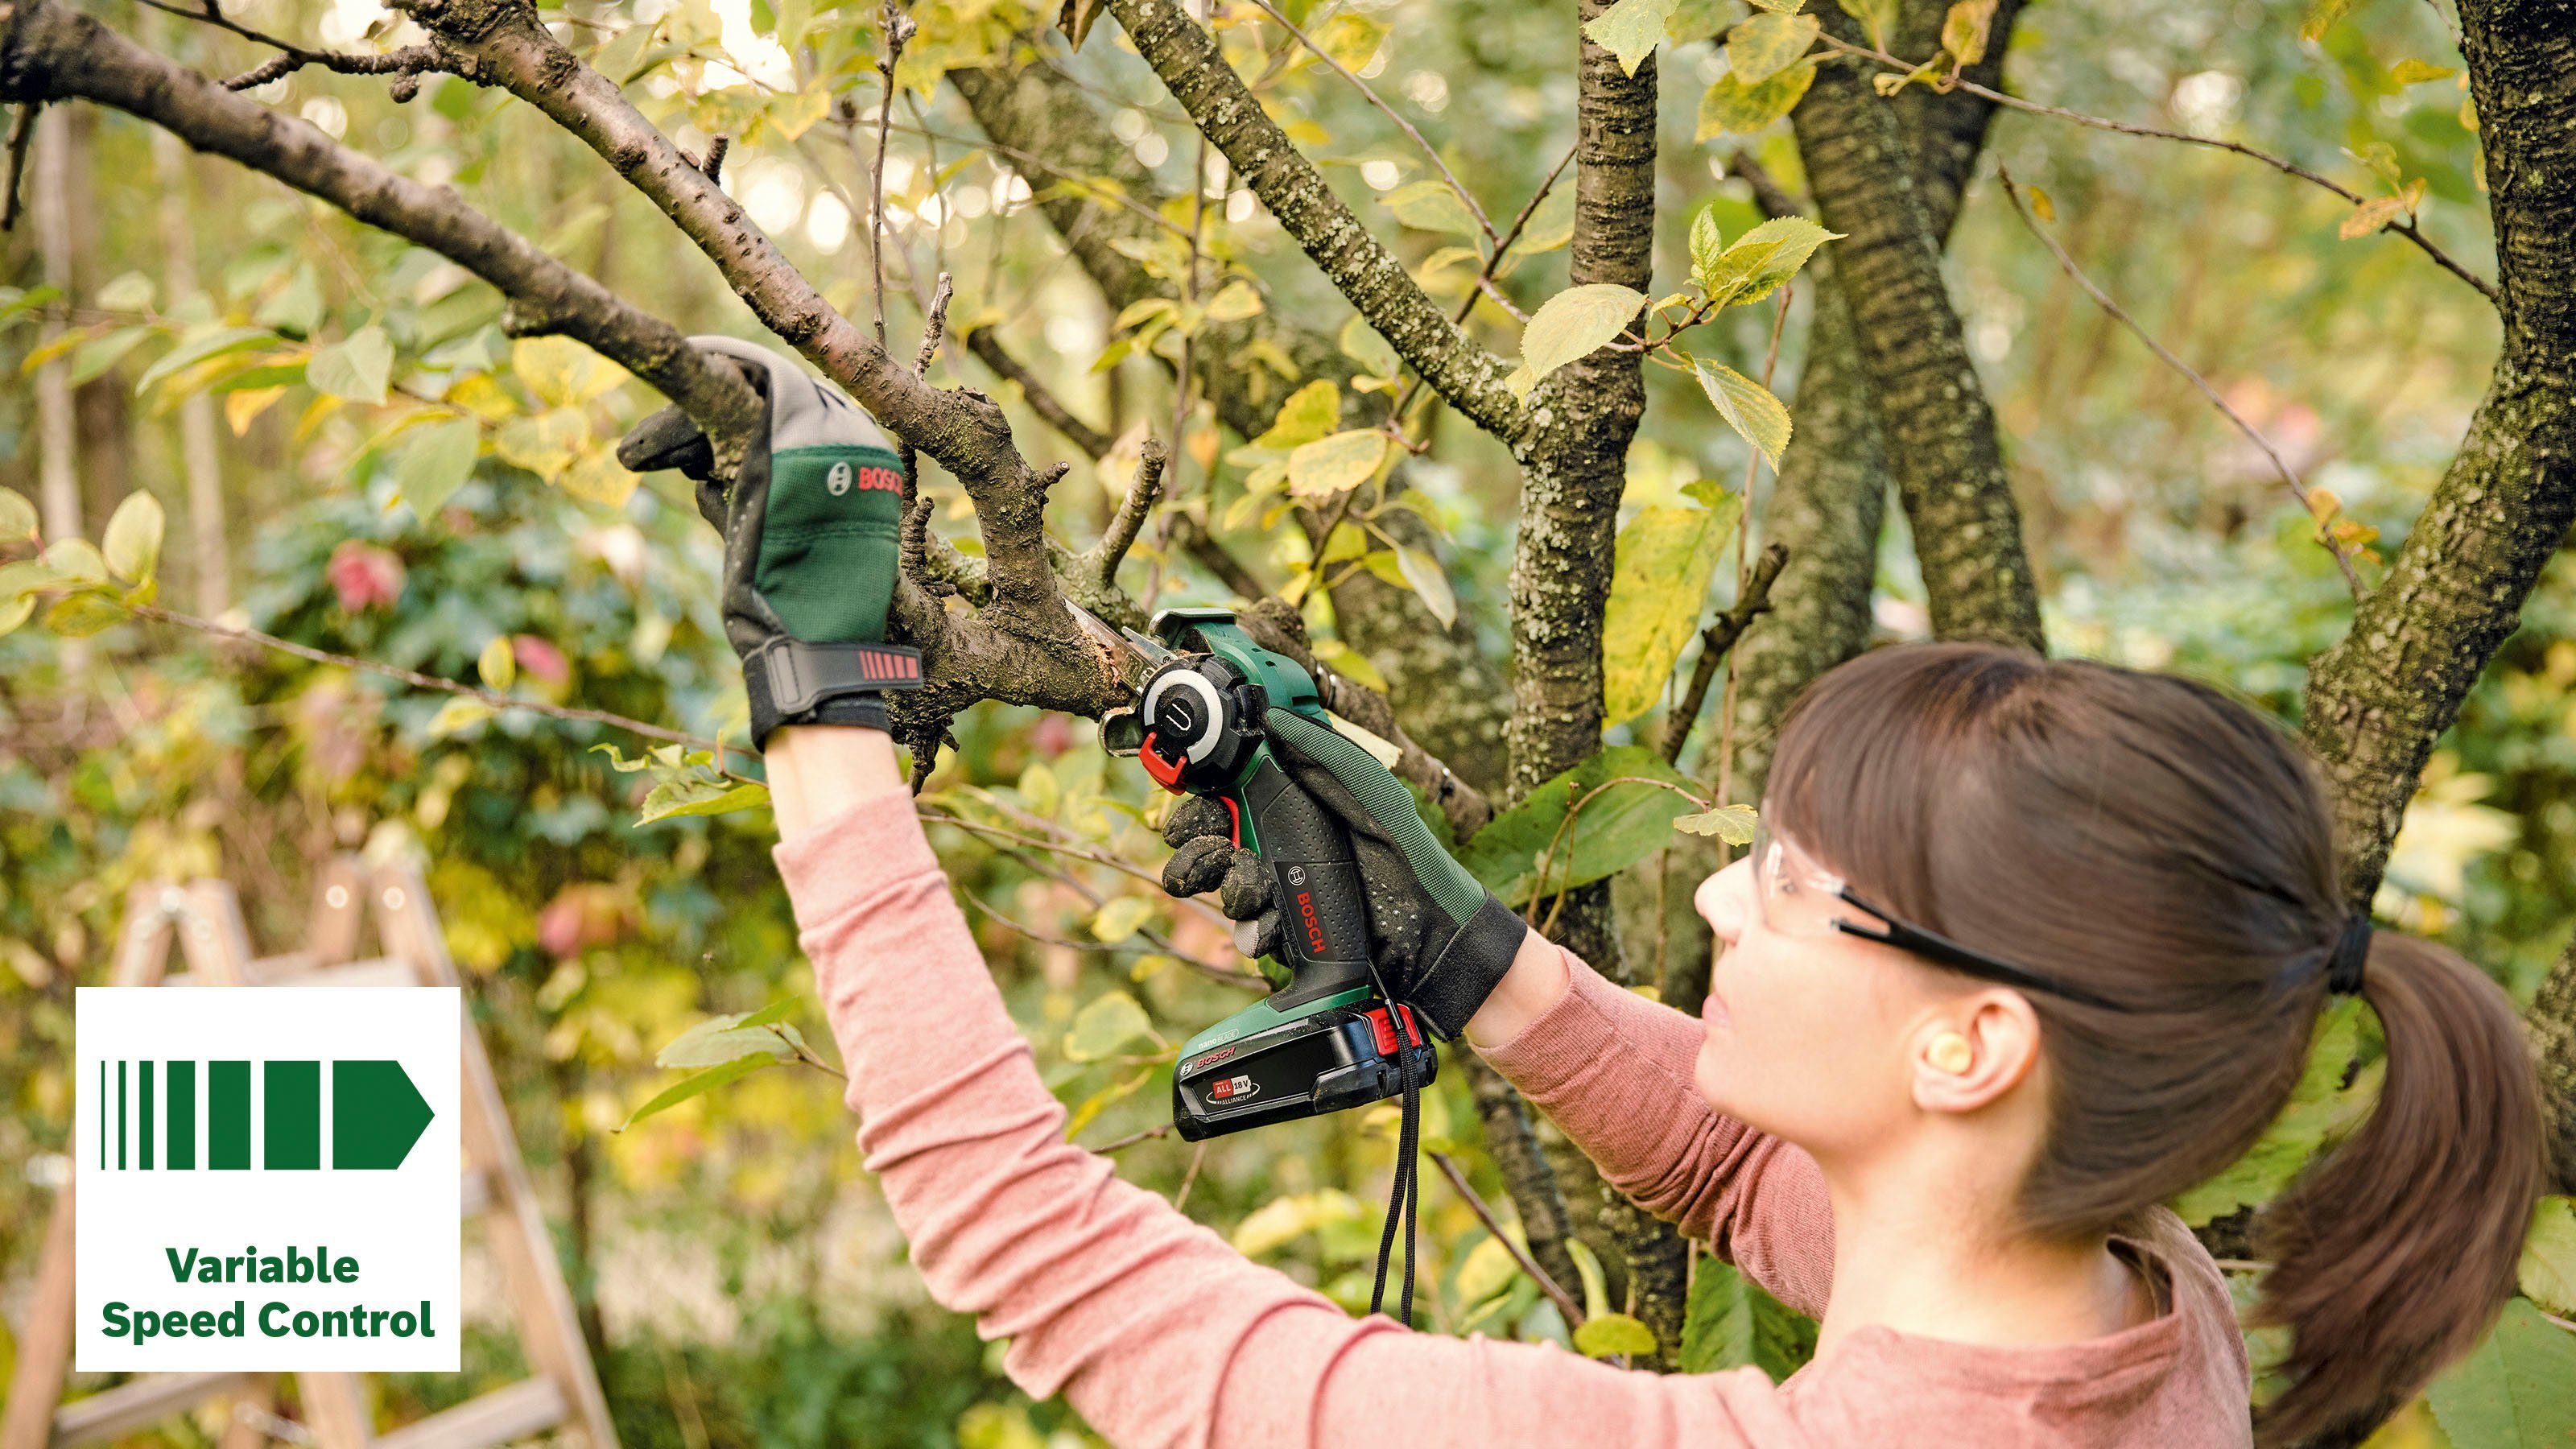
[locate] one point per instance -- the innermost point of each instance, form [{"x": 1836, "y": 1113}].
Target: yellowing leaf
[
  {"x": 2410, "y": 71},
  {"x": 1105, "y": 1026},
  {"x": 1576, "y": 322},
  {"x": 1666, "y": 555},
  {"x": 2321, "y": 17},
  {"x": 1610, "y": 1333},
  {"x": 1877, "y": 16},
  {"x": 1329, "y": 467},
  {"x": 1431, "y": 206},
  {"x": 1550, "y": 226},
  {"x": 82, "y": 615},
  {"x": 1730, "y": 107},
  {"x": 1768, "y": 43},
  {"x": 1120, "y": 918},
  {"x": 1748, "y": 407},
  {"x": 1283, "y": 1220},
  {"x": 497, "y": 665},
  {"x": 2370, "y": 216},
  {"x": 2548, "y": 1270},
  {"x": 1489, "y": 1269},
  {"x": 1422, "y": 573},
  {"x": 1349, "y": 663},
  {"x": 17, "y": 517},
  {"x": 562, "y": 372},
  {"x": 597, "y": 477},
  {"x": 545, "y": 444},
  {"x": 2040, "y": 205},
  {"x": 244, "y": 407},
  {"x": 1361, "y": 344},
  {"x": 76, "y": 558},
  {"x": 1309, "y": 413},
  {"x": 14, "y": 612},
  {"x": 1730, "y": 823},
  {"x": 1630, "y": 30},
  {"x": 132, "y": 543},
  {"x": 1964, "y": 28},
  {"x": 1233, "y": 302},
  {"x": 1038, "y": 787},
  {"x": 434, "y": 461},
  {"x": 460, "y": 712},
  {"x": 1754, "y": 265}
]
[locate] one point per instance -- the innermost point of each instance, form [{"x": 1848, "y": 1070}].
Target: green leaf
[
  {"x": 1611, "y": 1333},
  {"x": 2413, "y": 72},
  {"x": 461, "y": 712},
  {"x": 2321, "y": 17},
  {"x": 132, "y": 543},
  {"x": 434, "y": 460},
  {"x": 1120, "y": 918},
  {"x": 2548, "y": 1270},
  {"x": 1768, "y": 44},
  {"x": 1730, "y": 107},
  {"x": 1753, "y": 265},
  {"x": 1731, "y": 1322},
  {"x": 14, "y": 612},
  {"x": 18, "y": 521},
  {"x": 1361, "y": 344},
  {"x": 1730, "y": 823},
  {"x": 1619, "y": 827},
  {"x": 356, "y": 369},
  {"x": 2516, "y": 1390},
  {"x": 1423, "y": 574},
  {"x": 1550, "y": 226},
  {"x": 1596, "y": 1285},
  {"x": 1666, "y": 556},
  {"x": 1965, "y": 28},
  {"x": 1698, "y": 20},
  {"x": 1576, "y": 322},
  {"x": 722, "y": 1039},
  {"x": 2319, "y": 1108},
  {"x": 197, "y": 347},
  {"x": 732, "y": 1071},
  {"x": 681, "y": 796},
  {"x": 1098, "y": 1102},
  {"x": 1234, "y": 302},
  {"x": 1747, "y": 406},
  {"x": 1330, "y": 467},
  {"x": 17, "y": 580},
  {"x": 84, "y": 614},
  {"x": 1105, "y": 1025},
  {"x": 76, "y": 558},
  {"x": 1433, "y": 206},
  {"x": 1630, "y": 30},
  {"x": 103, "y": 352},
  {"x": 1489, "y": 1269}
]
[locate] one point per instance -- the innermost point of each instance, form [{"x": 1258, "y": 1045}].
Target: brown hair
[{"x": 2162, "y": 844}]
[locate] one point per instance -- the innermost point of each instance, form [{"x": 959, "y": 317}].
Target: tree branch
[
  {"x": 1719, "y": 638},
  {"x": 986, "y": 344},
  {"x": 405, "y": 64},
  {"x": 1186, "y": 57}
]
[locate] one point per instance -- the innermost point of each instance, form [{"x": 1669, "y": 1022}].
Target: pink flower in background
[
  {"x": 364, "y": 576},
  {"x": 540, "y": 659},
  {"x": 582, "y": 915}
]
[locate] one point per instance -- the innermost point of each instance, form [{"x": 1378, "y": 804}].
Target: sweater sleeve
[
  {"x": 1151, "y": 1326},
  {"x": 1614, "y": 1070}
]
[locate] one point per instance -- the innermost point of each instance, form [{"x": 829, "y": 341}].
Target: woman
[{"x": 2026, "y": 948}]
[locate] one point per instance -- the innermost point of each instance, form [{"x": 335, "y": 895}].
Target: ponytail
[{"x": 2396, "y": 1251}]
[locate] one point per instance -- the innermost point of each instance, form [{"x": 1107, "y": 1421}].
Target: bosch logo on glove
[{"x": 838, "y": 480}]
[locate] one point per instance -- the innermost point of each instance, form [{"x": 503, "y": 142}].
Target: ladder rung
[
  {"x": 131, "y": 1406},
  {"x": 505, "y": 1414}
]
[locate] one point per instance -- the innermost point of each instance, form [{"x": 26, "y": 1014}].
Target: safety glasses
[{"x": 1794, "y": 896}]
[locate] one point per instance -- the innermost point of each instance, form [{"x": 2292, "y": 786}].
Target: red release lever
[
  {"x": 1384, "y": 1030},
  {"x": 1166, "y": 773}
]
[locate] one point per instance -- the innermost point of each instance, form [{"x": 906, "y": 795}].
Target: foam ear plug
[{"x": 1950, "y": 1053}]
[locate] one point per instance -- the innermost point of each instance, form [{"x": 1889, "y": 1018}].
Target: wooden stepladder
[{"x": 562, "y": 1397}]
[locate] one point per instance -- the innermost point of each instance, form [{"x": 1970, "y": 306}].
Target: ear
[{"x": 2002, "y": 1035}]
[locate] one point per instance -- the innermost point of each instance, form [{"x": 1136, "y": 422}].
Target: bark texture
[
  {"x": 1939, "y": 433},
  {"x": 2553, "y": 1039},
  {"x": 2378, "y": 700}
]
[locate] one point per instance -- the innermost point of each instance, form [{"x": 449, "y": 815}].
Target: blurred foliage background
[{"x": 740, "y": 1284}]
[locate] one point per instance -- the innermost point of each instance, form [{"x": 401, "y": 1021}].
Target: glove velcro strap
[
  {"x": 795, "y": 681},
  {"x": 1470, "y": 964}
]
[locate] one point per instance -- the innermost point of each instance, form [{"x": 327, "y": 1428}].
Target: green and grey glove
[
  {"x": 1438, "y": 936},
  {"x": 812, "y": 543}
]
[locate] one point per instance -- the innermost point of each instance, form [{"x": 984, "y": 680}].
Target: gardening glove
[
  {"x": 1439, "y": 938},
  {"x": 812, "y": 535}
]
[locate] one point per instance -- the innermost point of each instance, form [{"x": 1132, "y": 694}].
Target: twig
[
  {"x": 898, "y": 29},
  {"x": 986, "y": 343},
  {"x": 1160, "y": 941},
  {"x": 22, "y": 134},
  {"x": 1743, "y": 574},
  {"x": 1159, "y": 1129},
  {"x": 2406, "y": 229},
  {"x": 1564, "y": 1301},
  {"x": 1718, "y": 639},
  {"x": 2102, "y": 299},
  {"x": 418, "y": 680},
  {"x": 1485, "y": 277},
  {"x": 713, "y": 165},
  {"x": 405, "y": 65},
  {"x": 1111, "y": 550},
  {"x": 935, "y": 325},
  {"x": 1075, "y": 178},
  {"x": 1198, "y": 1155},
  {"x": 1775, "y": 199},
  {"x": 1401, "y": 123}
]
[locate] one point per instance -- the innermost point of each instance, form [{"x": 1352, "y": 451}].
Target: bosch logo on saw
[
  {"x": 1211, "y": 1059},
  {"x": 1314, "y": 928},
  {"x": 1233, "y": 1089}
]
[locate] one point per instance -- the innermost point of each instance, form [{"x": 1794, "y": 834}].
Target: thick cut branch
[
  {"x": 50, "y": 52},
  {"x": 1940, "y": 433},
  {"x": 1186, "y": 57},
  {"x": 2378, "y": 700}
]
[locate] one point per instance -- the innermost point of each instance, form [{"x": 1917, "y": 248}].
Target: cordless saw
[{"x": 1328, "y": 1039}]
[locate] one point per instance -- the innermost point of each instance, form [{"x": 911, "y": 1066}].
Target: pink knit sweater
[{"x": 1159, "y": 1333}]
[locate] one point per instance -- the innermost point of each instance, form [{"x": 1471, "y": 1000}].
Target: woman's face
[{"x": 1807, "y": 1035}]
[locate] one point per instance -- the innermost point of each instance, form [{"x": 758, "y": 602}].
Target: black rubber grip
[{"x": 1315, "y": 878}]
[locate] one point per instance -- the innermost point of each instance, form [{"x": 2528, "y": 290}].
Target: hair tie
[{"x": 2351, "y": 953}]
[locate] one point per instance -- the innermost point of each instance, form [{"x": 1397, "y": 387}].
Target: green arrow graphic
[{"x": 376, "y": 1115}]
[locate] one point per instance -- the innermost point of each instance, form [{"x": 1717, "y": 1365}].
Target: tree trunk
[
  {"x": 198, "y": 442},
  {"x": 2553, "y": 1034},
  {"x": 1939, "y": 432},
  {"x": 57, "y": 426}
]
